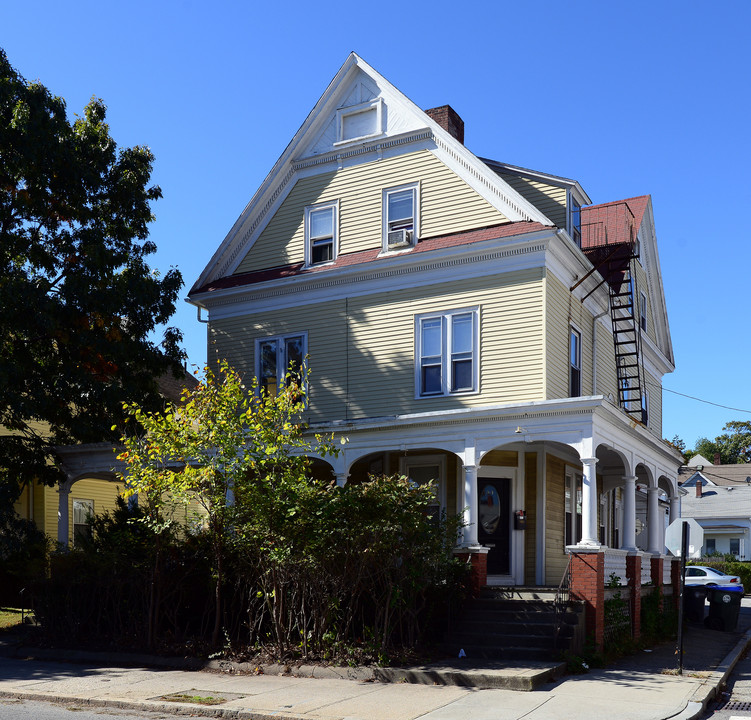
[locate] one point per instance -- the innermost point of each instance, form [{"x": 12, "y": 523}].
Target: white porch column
[
  {"x": 629, "y": 513},
  {"x": 63, "y": 493},
  {"x": 589, "y": 504},
  {"x": 655, "y": 543},
  {"x": 470, "y": 505},
  {"x": 341, "y": 478},
  {"x": 675, "y": 508}
]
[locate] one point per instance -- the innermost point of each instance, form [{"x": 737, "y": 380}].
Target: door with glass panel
[{"x": 494, "y": 522}]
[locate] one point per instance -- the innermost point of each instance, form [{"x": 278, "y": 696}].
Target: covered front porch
[{"x": 536, "y": 484}]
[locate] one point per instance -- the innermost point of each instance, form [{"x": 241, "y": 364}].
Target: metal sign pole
[{"x": 684, "y": 550}]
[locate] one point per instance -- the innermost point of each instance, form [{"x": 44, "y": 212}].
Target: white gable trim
[{"x": 651, "y": 264}]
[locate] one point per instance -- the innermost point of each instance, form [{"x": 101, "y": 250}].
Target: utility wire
[{"x": 708, "y": 402}]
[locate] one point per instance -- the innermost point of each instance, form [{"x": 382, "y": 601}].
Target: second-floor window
[
  {"x": 575, "y": 363},
  {"x": 277, "y": 357},
  {"x": 400, "y": 213},
  {"x": 447, "y": 353},
  {"x": 321, "y": 233}
]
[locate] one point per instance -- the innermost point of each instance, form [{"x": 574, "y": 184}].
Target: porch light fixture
[{"x": 519, "y": 430}]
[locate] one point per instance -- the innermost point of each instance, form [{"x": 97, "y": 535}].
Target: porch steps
[{"x": 515, "y": 623}]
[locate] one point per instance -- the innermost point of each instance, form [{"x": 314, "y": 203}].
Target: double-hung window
[
  {"x": 447, "y": 353},
  {"x": 278, "y": 358},
  {"x": 83, "y": 512},
  {"x": 321, "y": 233},
  {"x": 400, "y": 216},
  {"x": 575, "y": 363}
]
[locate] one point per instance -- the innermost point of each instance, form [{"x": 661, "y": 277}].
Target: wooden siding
[
  {"x": 562, "y": 311},
  {"x": 655, "y": 403},
  {"x": 448, "y": 205},
  {"x": 234, "y": 339},
  {"x": 103, "y": 492},
  {"x": 607, "y": 383},
  {"x": 500, "y": 458},
  {"x": 642, "y": 286},
  {"x": 555, "y": 556},
  {"x": 530, "y": 504},
  {"x": 548, "y": 199},
  {"x": 361, "y": 349},
  {"x": 382, "y": 334}
]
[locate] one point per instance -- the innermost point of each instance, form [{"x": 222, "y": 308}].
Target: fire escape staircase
[{"x": 610, "y": 244}]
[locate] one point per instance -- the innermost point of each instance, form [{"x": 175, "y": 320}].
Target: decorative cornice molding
[{"x": 354, "y": 277}]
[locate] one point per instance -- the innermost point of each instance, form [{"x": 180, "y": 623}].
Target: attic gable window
[
  {"x": 321, "y": 233},
  {"x": 360, "y": 121},
  {"x": 400, "y": 217}
]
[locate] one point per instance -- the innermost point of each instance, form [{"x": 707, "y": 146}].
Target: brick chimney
[
  {"x": 717, "y": 459},
  {"x": 449, "y": 120},
  {"x": 698, "y": 488}
]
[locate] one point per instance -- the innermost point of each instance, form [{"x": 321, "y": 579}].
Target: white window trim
[
  {"x": 346, "y": 112},
  {"x": 571, "y": 329},
  {"x": 334, "y": 204},
  {"x": 446, "y": 352},
  {"x": 73, "y": 523},
  {"x": 571, "y": 478},
  {"x": 570, "y": 199},
  {"x": 405, "y": 463},
  {"x": 415, "y": 187},
  {"x": 279, "y": 339}
]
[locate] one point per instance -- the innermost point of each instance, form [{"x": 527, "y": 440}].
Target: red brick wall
[
  {"x": 633, "y": 573},
  {"x": 588, "y": 585}
]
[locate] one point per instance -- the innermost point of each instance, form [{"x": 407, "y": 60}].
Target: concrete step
[{"x": 482, "y": 674}]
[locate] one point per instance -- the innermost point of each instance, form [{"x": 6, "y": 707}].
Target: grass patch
[
  {"x": 9, "y": 617},
  {"x": 195, "y": 699}
]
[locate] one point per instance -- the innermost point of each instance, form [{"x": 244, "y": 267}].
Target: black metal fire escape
[{"x": 609, "y": 241}]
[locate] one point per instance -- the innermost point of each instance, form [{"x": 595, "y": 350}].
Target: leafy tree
[
  {"x": 80, "y": 303},
  {"x": 733, "y": 446},
  {"x": 678, "y": 444},
  {"x": 223, "y": 448}
]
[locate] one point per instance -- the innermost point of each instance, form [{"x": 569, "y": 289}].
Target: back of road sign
[{"x": 695, "y": 537}]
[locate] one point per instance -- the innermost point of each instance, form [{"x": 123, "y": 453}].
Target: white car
[{"x": 702, "y": 575}]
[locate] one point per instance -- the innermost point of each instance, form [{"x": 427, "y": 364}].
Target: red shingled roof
[{"x": 365, "y": 256}]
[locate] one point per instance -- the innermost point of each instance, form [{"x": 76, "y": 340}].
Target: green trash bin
[
  {"x": 694, "y": 597},
  {"x": 724, "y": 606}
]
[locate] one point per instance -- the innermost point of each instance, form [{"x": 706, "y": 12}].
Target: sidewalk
[{"x": 635, "y": 688}]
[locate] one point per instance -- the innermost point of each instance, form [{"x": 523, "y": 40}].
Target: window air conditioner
[{"x": 399, "y": 238}]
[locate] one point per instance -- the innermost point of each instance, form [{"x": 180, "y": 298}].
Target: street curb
[
  {"x": 168, "y": 708},
  {"x": 703, "y": 695}
]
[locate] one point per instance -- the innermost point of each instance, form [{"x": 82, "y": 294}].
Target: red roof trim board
[{"x": 365, "y": 256}]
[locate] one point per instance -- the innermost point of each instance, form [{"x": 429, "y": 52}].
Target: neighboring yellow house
[
  {"x": 464, "y": 320},
  {"x": 92, "y": 485}
]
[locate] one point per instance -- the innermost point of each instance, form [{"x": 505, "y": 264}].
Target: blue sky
[{"x": 627, "y": 98}]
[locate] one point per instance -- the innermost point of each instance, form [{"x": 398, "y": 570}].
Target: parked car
[{"x": 702, "y": 575}]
